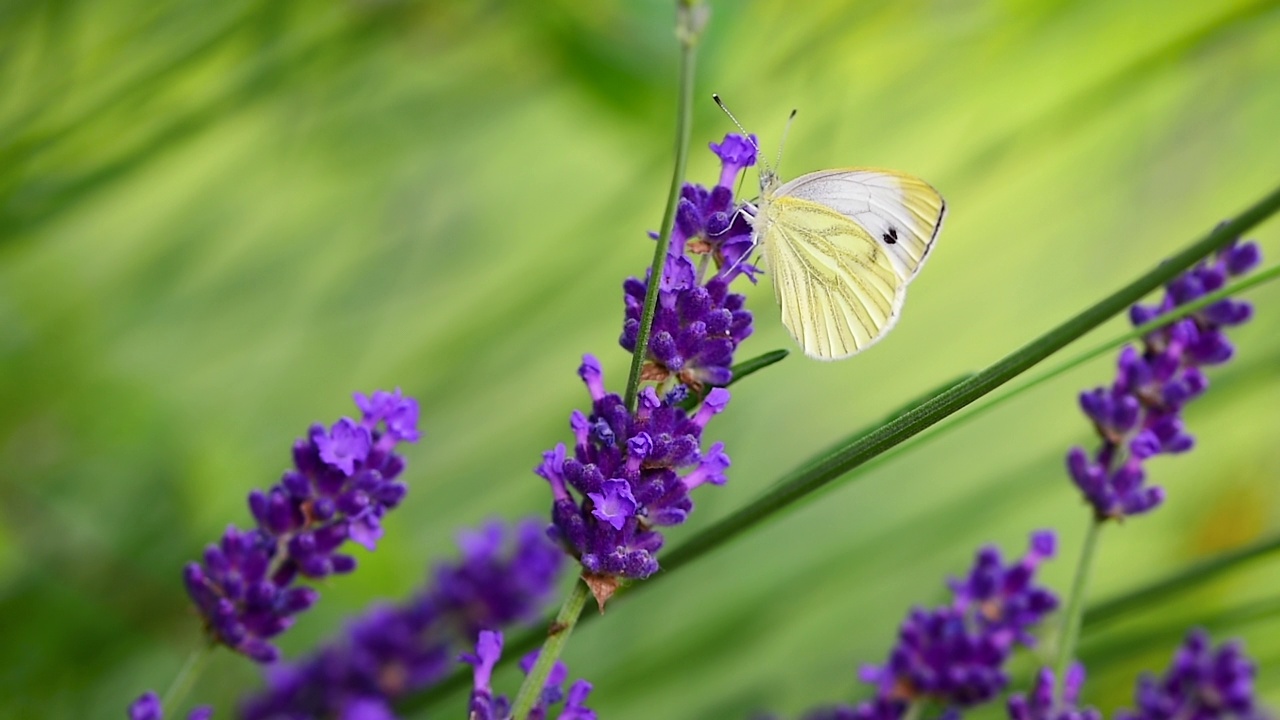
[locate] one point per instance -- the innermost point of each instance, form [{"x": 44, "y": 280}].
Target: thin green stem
[
  {"x": 691, "y": 19},
  {"x": 185, "y": 678},
  {"x": 987, "y": 405},
  {"x": 557, "y": 636},
  {"x": 1074, "y": 612},
  {"x": 1183, "y": 579}
]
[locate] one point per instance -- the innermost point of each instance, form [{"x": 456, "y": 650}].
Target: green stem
[
  {"x": 557, "y": 637},
  {"x": 691, "y": 18},
  {"x": 186, "y": 677},
  {"x": 1181, "y": 580},
  {"x": 1075, "y": 606}
]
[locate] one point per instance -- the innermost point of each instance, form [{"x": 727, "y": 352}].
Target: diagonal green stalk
[
  {"x": 689, "y": 25},
  {"x": 186, "y": 677},
  {"x": 869, "y": 445},
  {"x": 1074, "y": 612},
  {"x": 557, "y": 636},
  {"x": 987, "y": 405},
  {"x": 1183, "y": 579}
]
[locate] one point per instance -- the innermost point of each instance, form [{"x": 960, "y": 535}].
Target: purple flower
[
  {"x": 343, "y": 481},
  {"x": 398, "y": 413},
  {"x": 631, "y": 473},
  {"x": 147, "y": 707},
  {"x": 1039, "y": 705},
  {"x": 485, "y": 705},
  {"x": 955, "y": 655},
  {"x": 344, "y": 446},
  {"x": 505, "y": 576},
  {"x": 1139, "y": 416},
  {"x": 698, "y": 323},
  {"x": 1202, "y": 683}
]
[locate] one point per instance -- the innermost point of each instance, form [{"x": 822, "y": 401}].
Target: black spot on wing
[{"x": 891, "y": 236}]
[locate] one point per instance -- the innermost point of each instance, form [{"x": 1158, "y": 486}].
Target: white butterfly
[{"x": 842, "y": 246}]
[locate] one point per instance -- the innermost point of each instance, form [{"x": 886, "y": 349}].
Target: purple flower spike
[
  {"x": 1039, "y": 705},
  {"x": 1140, "y": 415},
  {"x": 147, "y": 707},
  {"x": 955, "y": 655},
  {"x": 343, "y": 481},
  {"x": 639, "y": 466},
  {"x": 505, "y": 575},
  {"x": 486, "y": 705},
  {"x": 699, "y": 323},
  {"x": 631, "y": 472},
  {"x": 1202, "y": 683}
]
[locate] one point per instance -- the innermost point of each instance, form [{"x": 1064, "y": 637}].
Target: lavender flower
[
  {"x": 343, "y": 482},
  {"x": 1202, "y": 683},
  {"x": 626, "y": 471},
  {"x": 698, "y": 323},
  {"x": 632, "y": 472},
  {"x": 955, "y": 654},
  {"x": 506, "y": 575},
  {"x": 485, "y": 705},
  {"x": 1139, "y": 416},
  {"x": 1039, "y": 704},
  {"x": 147, "y": 707}
]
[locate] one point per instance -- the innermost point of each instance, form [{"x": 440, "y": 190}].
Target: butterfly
[{"x": 842, "y": 245}]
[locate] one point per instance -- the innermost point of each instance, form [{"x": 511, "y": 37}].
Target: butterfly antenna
[
  {"x": 745, "y": 134},
  {"x": 785, "y": 131}
]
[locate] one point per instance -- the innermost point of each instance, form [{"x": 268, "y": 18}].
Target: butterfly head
[{"x": 768, "y": 181}]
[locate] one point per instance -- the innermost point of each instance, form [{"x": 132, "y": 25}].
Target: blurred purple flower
[
  {"x": 955, "y": 655},
  {"x": 505, "y": 576},
  {"x": 1203, "y": 683},
  {"x": 1140, "y": 415},
  {"x": 485, "y": 705},
  {"x": 344, "y": 480},
  {"x": 1039, "y": 704},
  {"x": 147, "y": 707}
]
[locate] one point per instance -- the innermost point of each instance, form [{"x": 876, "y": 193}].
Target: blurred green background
[{"x": 217, "y": 220}]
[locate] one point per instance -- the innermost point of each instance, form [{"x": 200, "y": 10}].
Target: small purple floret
[{"x": 615, "y": 505}]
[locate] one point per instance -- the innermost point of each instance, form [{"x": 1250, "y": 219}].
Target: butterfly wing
[
  {"x": 900, "y": 211},
  {"x": 839, "y": 290}
]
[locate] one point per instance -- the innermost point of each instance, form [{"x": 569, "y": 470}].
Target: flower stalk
[
  {"x": 557, "y": 637},
  {"x": 1074, "y": 613},
  {"x": 691, "y": 19}
]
